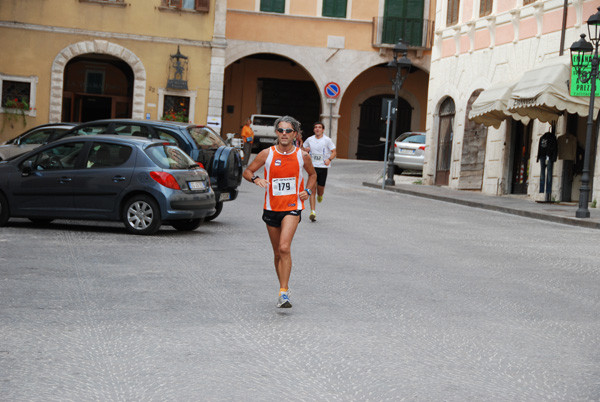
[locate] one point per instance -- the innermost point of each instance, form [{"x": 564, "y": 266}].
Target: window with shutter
[
  {"x": 452, "y": 16},
  {"x": 334, "y": 8},
  {"x": 485, "y": 7},
  {"x": 272, "y": 6},
  {"x": 202, "y": 5}
]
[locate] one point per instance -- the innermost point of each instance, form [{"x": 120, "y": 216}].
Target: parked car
[
  {"x": 263, "y": 126},
  {"x": 143, "y": 183},
  {"x": 32, "y": 139},
  {"x": 202, "y": 143},
  {"x": 409, "y": 152}
]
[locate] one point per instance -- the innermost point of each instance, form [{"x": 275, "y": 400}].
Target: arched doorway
[
  {"x": 445, "y": 136},
  {"x": 472, "y": 161},
  {"x": 97, "y": 86},
  {"x": 372, "y": 126},
  {"x": 267, "y": 83}
]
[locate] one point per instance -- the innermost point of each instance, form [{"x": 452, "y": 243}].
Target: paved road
[{"x": 395, "y": 298}]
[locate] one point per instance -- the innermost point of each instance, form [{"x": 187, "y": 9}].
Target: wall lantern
[{"x": 178, "y": 68}]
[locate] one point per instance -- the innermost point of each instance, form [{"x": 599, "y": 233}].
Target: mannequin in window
[{"x": 547, "y": 152}]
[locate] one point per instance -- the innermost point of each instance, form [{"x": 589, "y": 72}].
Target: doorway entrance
[
  {"x": 445, "y": 136},
  {"x": 521, "y": 151},
  {"x": 372, "y": 127},
  {"x": 97, "y": 87}
]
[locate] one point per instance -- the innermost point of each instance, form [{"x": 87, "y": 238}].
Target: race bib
[
  {"x": 317, "y": 158},
  {"x": 283, "y": 186}
]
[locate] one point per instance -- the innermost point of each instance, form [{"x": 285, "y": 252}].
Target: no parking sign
[{"x": 332, "y": 90}]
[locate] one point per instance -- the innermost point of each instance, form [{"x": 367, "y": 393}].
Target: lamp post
[
  {"x": 398, "y": 70},
  {"x": 581, "y": 53}
]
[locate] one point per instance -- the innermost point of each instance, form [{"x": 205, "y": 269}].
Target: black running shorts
[
  {"x": 274, "y": 218},
  {"x": 321, "y": 176}
]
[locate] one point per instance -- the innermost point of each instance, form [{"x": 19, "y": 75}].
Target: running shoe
[
  {"x": 284, "y": 300},
  {"x": 313, "y": 216},
  {"x": 319, "y": 198}
]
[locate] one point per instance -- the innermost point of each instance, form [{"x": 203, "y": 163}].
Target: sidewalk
[{"x": 563, "y": 213}]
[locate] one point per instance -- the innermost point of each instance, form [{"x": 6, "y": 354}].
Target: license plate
[
  {"x": 197, "y": 185},
  {"x": 269, "y": 140},
  {"x": 407, "y": 151},
  {"x": 224, "y": 197}
]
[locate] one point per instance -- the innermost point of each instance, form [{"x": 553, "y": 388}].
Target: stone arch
[
  {"x": 378, "y": 90},
  {"x": 102, "y": 47}
]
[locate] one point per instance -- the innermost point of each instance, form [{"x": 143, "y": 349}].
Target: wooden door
[{"x": 445, "y": 137}]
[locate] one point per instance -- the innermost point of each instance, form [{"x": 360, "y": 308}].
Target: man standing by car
[
  {"x": 284, "y": 197},
  {"x": 248, "y": 139},
  {"x": 322, "y": 152}
]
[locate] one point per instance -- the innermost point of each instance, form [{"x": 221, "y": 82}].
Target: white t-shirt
[{"x": 320, "y": 149}]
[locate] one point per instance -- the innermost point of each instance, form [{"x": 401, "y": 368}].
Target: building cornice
[{"x": 105, "y": 35}]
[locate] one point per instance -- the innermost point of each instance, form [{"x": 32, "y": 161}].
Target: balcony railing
[{"x": 414, "y": 32}]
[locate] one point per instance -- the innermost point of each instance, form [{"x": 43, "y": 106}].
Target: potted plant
[{"x": 14, "y": 109}]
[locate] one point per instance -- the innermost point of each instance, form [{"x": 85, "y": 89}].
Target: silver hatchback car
[{"x": 409, "y": 151}]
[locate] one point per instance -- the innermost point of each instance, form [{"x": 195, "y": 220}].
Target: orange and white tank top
[{"x": 284, "y": 173}]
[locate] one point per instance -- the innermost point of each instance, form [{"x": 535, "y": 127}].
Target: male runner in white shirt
[{"x": 322, "y": 152}]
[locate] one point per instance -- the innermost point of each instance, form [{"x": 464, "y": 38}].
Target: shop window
[
  {"x": 190, "y": 5},
  {"x": 452, "y": 16},
  {"x": 485, "y": 7},
  {"x": 18, "y": 93},
  {"x": 334, "y": 8},
  {"x": 272, "y": 6}
]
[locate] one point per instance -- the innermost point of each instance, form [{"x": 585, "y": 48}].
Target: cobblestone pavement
[{"x": 395, "y": 298}]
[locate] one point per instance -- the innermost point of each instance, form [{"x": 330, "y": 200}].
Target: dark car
[
  {"x": 33, "y": 138},
  {"x": 203, "y": 144},
  {"x": 143, "y": 183}
]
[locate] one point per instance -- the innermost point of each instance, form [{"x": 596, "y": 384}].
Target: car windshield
[
  {"x": 168, "y": 156},
  {"x": 412, "y": 138},
  {"x": 264, "y": 121},
  {"x": 205, "y": 138}
]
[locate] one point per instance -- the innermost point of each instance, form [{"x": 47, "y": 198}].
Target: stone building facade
[{"x": 482, "y": 45}]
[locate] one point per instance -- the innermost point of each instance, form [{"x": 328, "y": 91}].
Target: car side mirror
[{"x": 27, "y": 168}]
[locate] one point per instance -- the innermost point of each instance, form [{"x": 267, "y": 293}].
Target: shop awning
[
  {"x": 491, "y": 106},
  {"x": 543, "y": 93}
]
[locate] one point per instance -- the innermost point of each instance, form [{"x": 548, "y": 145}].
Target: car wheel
[
  {"x": 141, "y": 215},
  {"x": 187, "y": 225},
  {"x": 398, "y": 170},
  {"x": 40, "y": 221},
  {"x": 4, "y": 211},
  {"x": 219, "y": 208},
  {"x": 227, "y": 168}
]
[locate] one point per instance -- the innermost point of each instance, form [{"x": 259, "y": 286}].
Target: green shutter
[
  {"x": 334, "y": 8},
  {"x": 272, "y": 6},
  {"x": 403, "y": 19}
]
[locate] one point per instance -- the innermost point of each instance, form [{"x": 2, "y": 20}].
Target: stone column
[{"x": 217, "y": 67}]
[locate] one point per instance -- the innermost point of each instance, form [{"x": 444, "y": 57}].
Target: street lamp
[
  {"x": 581, "y": 52},
  {"x": 398, "y": 70}
]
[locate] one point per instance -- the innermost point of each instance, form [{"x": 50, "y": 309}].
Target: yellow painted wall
[
  {"x": 33, "y": 52},
  {"x": 295, "y": 30},
  {"x": 140, "y": 17}
]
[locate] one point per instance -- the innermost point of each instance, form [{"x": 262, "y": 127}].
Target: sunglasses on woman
[{"x": 285, "y": 130}]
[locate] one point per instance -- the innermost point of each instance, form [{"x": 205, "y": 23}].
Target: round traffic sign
[{"x": 332, "y": 90}]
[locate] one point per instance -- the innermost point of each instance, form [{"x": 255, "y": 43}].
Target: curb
[{"x": 475, "y": 204}]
